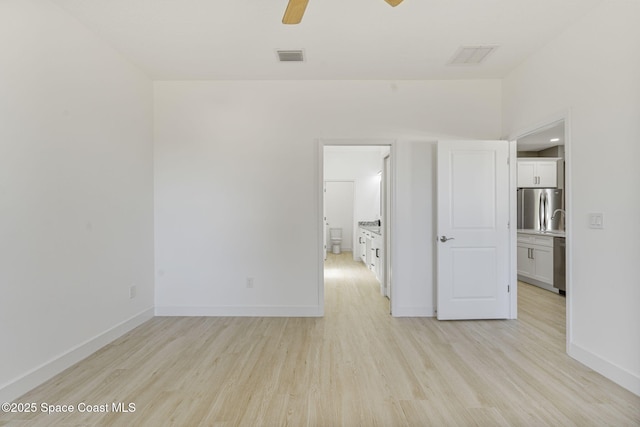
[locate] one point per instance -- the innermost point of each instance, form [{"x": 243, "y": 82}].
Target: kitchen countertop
[{"x": 550, "y": 233}]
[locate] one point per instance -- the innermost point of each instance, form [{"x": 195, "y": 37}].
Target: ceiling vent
[
  {"x": 290, "y": 55},
  {"x": 471, "y": 55}
]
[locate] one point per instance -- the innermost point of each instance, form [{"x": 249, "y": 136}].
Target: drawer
[
  {"x": 543, "y": 241},
  {"x": 525, "y": 238},
  {"x": 533, "y": 239}
]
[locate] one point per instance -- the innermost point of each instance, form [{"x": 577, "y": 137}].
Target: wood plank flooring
[{"x": 357, "y": 366}]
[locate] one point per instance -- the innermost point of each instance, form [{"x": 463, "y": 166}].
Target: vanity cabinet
[
  {"x": 540, "y": 173},
  {"x": 535, "y": 259},
  {"x": 376, "y": 255},
  {"x": 362, "y": 245},
  {"x": 371, "y": 247}
]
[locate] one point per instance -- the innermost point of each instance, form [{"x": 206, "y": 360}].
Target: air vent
[
  {"x": 290, "y": 55},
  {"x": 471, "y": 55}
]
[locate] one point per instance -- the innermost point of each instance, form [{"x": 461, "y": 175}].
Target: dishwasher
[{"x": 559, "y": 264}]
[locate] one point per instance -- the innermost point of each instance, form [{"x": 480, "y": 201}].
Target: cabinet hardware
[{"x": 377, "y": 250}]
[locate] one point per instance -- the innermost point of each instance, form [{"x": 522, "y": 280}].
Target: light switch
[{"x": 596, "y": 220}]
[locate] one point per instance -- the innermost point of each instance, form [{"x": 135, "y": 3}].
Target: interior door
[
  {"x": 324, "y": 217},
  {"x": 473, "y": 230},
  {"x": 339, "y": 205}
]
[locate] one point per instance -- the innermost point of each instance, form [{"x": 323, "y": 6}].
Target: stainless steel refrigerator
[{"x": 536, "y": 207}]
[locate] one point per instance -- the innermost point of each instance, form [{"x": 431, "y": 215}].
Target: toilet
[{"x": 335, "y": 234}]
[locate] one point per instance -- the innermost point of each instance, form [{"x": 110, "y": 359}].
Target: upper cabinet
[{"x": 540, "y": 172}]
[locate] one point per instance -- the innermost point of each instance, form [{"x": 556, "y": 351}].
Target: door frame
[
  {"x": 353, "y": 201},
  {"x": 327, "y": 142},
  {"x": 386, "y": 215},
  {"x": 568, "y": 194}
]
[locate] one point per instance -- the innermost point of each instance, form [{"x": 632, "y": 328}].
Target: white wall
[
  {"x": 593, "y": 71},
  {"x": 76, "y": 209},
  {"x": 236, "y": 171}
]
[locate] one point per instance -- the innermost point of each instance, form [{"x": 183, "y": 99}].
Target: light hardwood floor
[{"x": 357, "y": 366}]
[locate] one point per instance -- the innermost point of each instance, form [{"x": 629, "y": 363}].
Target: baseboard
[
  {"x": 239, "y": 311},
  {"x": 413, "y": 312},
  {"x": 613, "y": 372},
  {"x": 14, "y": 389}
]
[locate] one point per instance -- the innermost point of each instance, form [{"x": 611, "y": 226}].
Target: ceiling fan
[{"x": 295, "y": 10}]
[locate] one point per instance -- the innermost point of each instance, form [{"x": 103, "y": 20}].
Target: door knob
[{"x": 445, "y": 238}]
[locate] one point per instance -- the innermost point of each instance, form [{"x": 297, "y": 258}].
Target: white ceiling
[{"x": 342, "y": 39}]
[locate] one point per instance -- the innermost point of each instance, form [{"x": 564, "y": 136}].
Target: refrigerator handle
[
  {"x": 544, "y": 210},
  {"x": 541, "y": 212}
]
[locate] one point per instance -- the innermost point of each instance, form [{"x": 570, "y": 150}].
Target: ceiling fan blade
[
  {"x": 294, "y": 12},
  {"x": 394, "y": 3}
]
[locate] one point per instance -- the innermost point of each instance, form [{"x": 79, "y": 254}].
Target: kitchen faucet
[{"x": 558, "y": 210}]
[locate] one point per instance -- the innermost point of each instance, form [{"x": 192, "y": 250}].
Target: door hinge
[
  {"x": 508, "y": 289},
  {"x": 508, "y": 160}
]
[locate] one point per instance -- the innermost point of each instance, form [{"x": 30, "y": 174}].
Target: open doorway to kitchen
[
  {"x": 355, "y": 179},
  {"x": 544, "y": 228}
]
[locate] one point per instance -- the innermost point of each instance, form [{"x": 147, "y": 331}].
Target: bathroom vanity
[{"x": 371, "y": 247}]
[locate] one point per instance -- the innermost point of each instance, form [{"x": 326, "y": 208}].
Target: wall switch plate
[{"x": 596, "y": 220}]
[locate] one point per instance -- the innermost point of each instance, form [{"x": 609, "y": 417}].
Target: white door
[
  {"x": 324, "y": 217},
  {"x": 339, "y": 197},
  {"x": 386, "y": 220},
  {"x": 473, "y": 230}
]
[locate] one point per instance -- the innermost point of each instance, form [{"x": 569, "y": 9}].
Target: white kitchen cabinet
[
  {"x": 540, "y": 173},
  {"x": 535, "y": 259}
]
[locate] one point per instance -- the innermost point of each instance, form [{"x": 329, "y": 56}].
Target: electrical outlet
[
  {"x": 249, "y": 282},
  {"x": 133, "y": 291}
]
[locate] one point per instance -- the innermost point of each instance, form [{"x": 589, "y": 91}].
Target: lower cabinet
[
  {"x": 371, "y": 246},
  {"x": 535, "y": 258},
  {"x": 376, "y": 255},
  {"x": 362, "y": 244}
]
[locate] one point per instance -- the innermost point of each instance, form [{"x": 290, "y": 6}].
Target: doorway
[
  {"x": 367, "y": 166},
  {"x": 339, "y": 210},
  {"x": 540, "y": 263}
]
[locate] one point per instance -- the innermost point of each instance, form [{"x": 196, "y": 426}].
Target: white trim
[
  {"x": 320, "y": 225},
  {"x": 391, "y": 198},
  {"x": 610, "y": 370},
  {"x": 513, "y": 229},
  {"x": 568, "y": 198},
  {"x": 240, "y": 311},
  {"x": 323, "y": 142},
  {"x": 568, "y": 205},
  {"x": 53, "y": 367}
]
